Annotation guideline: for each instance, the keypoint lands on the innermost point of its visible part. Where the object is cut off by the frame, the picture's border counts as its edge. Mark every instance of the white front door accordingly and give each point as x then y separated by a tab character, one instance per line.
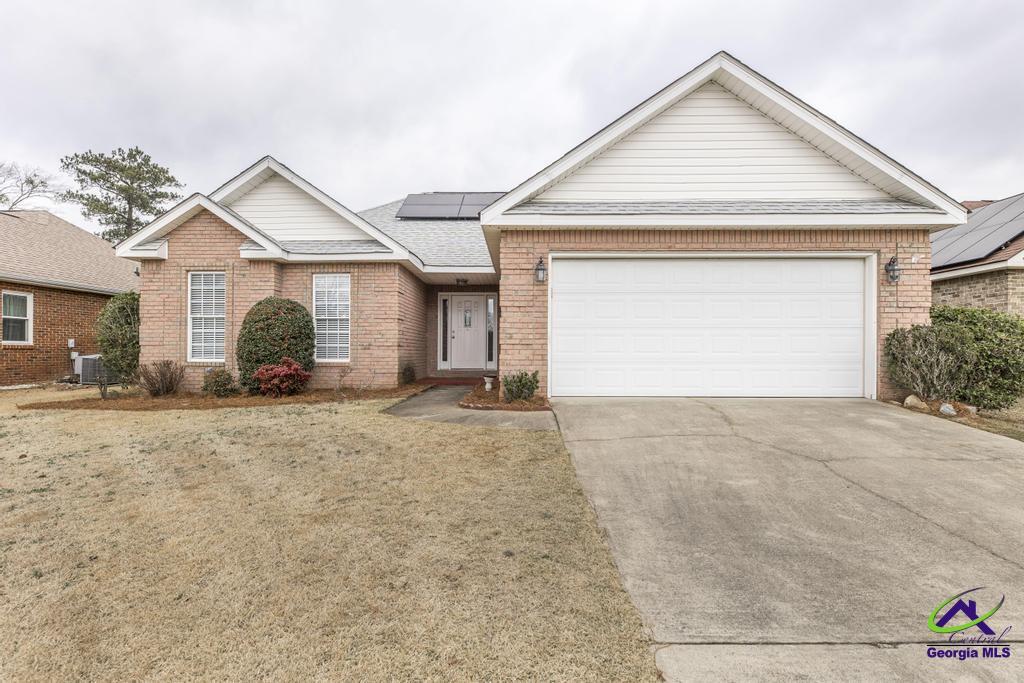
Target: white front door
469	331
709	327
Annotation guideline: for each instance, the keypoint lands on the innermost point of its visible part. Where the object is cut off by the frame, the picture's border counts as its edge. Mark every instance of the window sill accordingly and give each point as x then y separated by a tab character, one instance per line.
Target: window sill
331	362
18	345
204	361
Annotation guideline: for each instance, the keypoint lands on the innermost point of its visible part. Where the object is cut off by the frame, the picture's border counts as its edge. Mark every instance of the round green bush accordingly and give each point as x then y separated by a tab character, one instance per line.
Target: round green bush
219	382
117	334
274	328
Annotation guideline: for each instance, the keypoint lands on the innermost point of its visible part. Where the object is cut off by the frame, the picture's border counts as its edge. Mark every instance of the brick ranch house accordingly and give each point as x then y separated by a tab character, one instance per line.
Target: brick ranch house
54	278
981	263
722	238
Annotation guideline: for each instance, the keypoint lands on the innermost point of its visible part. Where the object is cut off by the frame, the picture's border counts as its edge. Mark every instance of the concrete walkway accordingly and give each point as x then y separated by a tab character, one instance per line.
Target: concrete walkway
440	404
803	539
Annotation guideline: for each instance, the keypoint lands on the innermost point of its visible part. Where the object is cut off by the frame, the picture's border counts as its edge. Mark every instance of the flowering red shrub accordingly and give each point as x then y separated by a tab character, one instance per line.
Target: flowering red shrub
281	379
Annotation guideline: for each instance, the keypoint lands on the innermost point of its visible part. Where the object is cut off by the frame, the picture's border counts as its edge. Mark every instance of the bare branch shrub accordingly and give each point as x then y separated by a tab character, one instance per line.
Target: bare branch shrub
161	378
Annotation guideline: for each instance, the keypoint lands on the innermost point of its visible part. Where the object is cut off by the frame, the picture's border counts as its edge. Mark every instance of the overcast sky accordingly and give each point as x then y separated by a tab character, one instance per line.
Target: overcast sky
371	101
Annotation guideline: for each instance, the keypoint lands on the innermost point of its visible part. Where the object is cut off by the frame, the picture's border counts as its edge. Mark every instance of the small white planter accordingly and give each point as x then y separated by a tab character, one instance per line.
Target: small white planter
488	383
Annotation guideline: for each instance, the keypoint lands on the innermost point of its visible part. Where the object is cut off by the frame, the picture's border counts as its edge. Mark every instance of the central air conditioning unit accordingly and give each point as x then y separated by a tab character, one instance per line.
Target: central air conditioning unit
90	368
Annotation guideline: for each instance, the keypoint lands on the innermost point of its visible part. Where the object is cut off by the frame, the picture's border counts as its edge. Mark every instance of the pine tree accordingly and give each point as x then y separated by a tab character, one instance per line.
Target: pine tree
122	190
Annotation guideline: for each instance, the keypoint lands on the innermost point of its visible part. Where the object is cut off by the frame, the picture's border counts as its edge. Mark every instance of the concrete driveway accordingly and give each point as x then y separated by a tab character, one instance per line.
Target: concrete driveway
802	538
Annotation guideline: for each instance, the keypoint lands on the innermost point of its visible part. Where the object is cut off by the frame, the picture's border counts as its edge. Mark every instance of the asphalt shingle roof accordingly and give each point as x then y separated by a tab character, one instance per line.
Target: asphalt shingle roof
437	242
40	248
712	206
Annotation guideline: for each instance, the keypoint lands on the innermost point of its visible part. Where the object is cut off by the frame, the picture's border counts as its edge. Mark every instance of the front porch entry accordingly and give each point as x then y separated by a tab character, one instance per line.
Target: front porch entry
467	331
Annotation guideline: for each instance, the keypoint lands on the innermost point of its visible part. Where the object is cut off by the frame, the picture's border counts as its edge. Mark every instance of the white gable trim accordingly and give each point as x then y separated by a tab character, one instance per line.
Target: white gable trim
932	221
727	66
225	191
184	210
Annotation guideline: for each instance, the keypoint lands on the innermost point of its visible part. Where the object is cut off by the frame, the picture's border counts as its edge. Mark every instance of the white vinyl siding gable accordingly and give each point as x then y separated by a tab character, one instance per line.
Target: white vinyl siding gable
711	145
207	297
16	313
332	312
285	212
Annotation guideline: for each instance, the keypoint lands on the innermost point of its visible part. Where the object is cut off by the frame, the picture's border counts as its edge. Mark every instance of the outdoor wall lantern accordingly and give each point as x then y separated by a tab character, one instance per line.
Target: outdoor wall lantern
893	270
461	281
540	271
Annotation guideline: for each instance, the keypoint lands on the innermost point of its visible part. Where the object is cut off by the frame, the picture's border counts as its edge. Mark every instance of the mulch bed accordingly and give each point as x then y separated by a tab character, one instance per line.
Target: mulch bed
480	399
134	400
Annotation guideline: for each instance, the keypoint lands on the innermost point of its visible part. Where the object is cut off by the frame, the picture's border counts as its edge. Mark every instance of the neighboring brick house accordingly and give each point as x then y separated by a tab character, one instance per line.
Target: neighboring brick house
722	238
981	263
55	278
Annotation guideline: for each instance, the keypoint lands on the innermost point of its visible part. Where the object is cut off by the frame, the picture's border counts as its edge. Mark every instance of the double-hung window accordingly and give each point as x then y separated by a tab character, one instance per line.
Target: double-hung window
332	309
17	318
206	305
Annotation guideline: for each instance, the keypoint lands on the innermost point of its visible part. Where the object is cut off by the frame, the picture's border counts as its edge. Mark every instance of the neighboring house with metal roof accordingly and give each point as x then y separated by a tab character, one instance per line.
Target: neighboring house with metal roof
722	238
981	263
54	277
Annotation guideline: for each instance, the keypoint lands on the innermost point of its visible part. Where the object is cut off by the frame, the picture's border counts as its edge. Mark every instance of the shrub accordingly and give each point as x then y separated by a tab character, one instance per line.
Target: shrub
160	378
274	329
520	386
408	374
927	360
220	383
117	334
993	351
282	379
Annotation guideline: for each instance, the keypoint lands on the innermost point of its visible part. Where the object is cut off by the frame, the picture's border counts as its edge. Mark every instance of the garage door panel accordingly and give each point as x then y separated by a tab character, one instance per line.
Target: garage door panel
707	327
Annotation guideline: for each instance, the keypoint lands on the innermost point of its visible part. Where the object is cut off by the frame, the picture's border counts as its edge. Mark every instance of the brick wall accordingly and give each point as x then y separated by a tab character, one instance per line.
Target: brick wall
58	315
523	334
376	341
412	322
207	243
998	290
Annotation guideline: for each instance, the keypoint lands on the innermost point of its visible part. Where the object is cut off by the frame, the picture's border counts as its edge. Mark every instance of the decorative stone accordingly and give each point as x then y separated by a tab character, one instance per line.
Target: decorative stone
971	410
947	409
914	403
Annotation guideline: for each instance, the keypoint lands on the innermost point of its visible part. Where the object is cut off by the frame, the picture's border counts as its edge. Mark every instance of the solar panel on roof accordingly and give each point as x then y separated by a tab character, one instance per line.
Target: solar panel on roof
986	230
464	205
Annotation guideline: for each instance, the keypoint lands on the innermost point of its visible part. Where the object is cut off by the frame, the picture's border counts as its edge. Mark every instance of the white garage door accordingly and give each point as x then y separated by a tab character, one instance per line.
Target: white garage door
707	327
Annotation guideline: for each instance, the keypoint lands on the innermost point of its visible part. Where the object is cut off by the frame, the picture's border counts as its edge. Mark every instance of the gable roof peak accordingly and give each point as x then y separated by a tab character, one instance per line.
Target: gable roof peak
769	99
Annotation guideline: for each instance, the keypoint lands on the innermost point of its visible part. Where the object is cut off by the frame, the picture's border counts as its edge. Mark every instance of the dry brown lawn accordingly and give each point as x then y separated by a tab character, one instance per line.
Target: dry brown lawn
301	541
1008	422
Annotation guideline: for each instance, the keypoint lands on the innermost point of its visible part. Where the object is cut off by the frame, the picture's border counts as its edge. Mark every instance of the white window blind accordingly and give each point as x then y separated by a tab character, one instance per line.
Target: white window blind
332	308
17	318
206	304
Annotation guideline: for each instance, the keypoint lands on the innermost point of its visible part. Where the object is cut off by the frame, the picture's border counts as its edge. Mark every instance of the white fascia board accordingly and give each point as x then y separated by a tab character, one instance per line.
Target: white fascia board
1015	262
291	176
179	214
459	269
930	221
719	63
294	257
419	266
225	190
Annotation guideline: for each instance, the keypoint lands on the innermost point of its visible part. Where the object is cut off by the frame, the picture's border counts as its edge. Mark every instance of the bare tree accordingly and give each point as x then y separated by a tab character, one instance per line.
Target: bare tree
19	183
